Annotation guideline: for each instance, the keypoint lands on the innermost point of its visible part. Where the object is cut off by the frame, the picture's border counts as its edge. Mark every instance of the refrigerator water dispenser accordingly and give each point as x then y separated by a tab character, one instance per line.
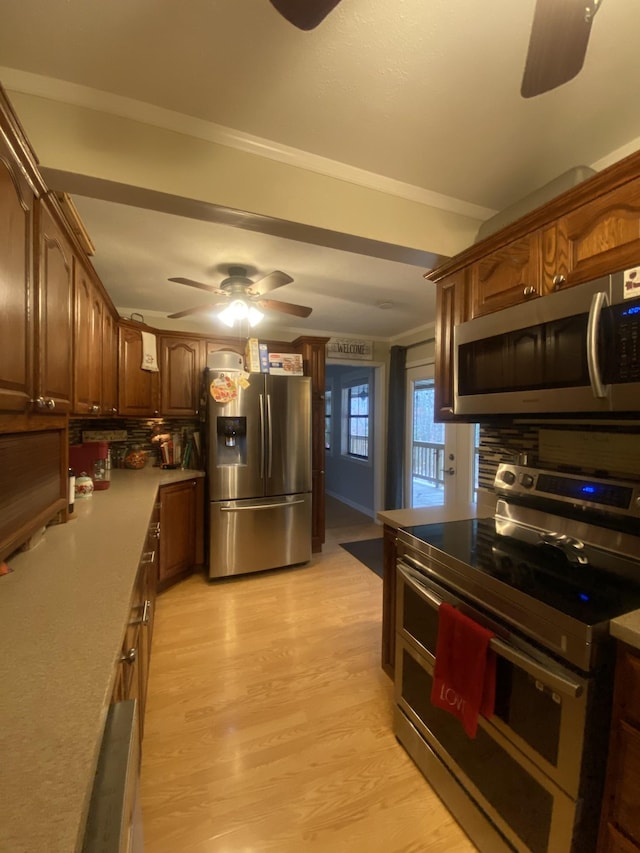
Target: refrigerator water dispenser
232	440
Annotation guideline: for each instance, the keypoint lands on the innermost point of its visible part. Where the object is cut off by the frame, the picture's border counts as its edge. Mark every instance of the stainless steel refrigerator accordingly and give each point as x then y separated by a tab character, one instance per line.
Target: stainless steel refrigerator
258	451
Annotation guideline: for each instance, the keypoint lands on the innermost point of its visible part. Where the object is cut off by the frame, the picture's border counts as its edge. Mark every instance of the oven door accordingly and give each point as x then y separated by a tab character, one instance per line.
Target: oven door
540	706
523	773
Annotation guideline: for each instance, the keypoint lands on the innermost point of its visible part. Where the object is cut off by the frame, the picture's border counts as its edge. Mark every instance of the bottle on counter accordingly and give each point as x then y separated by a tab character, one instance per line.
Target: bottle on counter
72	489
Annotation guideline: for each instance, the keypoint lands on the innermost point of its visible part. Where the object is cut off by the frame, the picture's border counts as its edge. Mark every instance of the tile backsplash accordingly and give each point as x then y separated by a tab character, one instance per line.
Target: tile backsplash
605	449
138	431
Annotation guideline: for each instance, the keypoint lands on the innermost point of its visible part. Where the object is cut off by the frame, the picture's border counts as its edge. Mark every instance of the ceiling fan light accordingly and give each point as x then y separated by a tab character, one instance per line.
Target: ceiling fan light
254	316
236	310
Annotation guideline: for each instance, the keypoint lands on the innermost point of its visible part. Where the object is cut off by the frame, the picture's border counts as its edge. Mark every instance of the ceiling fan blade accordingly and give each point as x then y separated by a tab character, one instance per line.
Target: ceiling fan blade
188	311
284	307
269	283
208	287
558	43
304	14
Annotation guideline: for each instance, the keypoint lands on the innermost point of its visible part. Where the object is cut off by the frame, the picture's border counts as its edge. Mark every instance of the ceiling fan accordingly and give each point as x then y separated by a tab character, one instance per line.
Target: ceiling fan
244	297
557	45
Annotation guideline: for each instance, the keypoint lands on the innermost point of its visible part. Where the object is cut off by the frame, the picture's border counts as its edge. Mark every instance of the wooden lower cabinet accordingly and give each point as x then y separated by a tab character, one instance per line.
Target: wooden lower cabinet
620	819
132	673
389	601
181	530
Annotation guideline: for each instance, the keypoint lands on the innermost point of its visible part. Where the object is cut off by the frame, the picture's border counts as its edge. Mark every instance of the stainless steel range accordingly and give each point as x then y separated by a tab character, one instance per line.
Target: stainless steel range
559	559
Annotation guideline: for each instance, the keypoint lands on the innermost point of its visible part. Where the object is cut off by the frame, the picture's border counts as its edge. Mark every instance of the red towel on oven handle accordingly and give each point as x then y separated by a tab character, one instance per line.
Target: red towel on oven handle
464	678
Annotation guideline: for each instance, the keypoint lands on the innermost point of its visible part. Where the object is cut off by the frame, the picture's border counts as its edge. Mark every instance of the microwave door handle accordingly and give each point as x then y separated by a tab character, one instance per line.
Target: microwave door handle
598	302
262	434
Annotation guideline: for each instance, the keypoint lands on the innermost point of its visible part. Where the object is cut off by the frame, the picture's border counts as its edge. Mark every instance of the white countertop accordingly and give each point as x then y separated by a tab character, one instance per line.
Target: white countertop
63	611
435	514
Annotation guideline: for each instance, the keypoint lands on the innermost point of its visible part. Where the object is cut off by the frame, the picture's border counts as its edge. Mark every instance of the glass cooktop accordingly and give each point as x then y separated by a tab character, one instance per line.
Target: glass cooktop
588	593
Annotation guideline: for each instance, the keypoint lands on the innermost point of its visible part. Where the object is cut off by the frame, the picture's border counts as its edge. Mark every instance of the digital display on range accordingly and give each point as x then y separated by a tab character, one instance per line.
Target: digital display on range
585	490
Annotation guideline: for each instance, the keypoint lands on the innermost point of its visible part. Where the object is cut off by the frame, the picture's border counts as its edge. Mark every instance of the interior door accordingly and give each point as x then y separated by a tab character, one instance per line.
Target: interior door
440	457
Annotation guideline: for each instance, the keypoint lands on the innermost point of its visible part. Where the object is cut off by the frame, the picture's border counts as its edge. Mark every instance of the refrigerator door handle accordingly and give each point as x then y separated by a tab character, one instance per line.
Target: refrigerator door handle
262	434
269	437
254	507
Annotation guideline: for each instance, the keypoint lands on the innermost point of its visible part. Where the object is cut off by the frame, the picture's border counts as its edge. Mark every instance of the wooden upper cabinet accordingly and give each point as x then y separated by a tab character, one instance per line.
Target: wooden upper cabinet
507	276
88	329
181	365
138	389
602	236
109	362
17	199
452	307
54	289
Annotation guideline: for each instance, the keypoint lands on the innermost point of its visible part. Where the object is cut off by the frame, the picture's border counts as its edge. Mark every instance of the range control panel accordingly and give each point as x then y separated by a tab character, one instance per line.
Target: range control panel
613	496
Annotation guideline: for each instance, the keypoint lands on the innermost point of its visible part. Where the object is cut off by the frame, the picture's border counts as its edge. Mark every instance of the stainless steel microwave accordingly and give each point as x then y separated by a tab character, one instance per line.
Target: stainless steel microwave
577	350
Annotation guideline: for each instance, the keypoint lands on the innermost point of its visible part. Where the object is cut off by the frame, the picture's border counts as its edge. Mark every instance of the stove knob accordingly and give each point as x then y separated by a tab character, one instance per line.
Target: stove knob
527	481
508	477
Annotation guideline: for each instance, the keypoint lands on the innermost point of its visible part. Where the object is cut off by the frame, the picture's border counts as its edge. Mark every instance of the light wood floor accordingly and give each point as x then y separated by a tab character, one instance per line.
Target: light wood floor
269	720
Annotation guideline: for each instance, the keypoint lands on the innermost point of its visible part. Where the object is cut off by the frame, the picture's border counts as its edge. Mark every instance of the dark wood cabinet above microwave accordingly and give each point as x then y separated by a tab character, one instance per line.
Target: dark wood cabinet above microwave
587	232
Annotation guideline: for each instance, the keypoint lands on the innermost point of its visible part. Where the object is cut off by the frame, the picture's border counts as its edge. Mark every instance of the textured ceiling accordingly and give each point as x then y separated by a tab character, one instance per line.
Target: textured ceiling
426	92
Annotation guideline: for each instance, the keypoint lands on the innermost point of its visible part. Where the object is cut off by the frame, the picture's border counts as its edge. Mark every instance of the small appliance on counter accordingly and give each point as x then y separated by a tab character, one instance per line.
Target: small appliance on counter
92	457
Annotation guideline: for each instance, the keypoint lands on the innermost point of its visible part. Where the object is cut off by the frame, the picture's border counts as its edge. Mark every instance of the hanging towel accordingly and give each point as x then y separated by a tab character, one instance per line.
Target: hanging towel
464	678
149	356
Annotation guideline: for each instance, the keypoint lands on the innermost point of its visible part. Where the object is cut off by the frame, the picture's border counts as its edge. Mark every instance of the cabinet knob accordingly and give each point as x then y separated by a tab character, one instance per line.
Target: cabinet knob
529	291
558	281
129	657
95	409
156	413
38	403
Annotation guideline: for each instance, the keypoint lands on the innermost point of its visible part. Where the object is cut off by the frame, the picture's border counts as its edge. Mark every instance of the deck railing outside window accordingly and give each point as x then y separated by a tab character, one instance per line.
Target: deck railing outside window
428	462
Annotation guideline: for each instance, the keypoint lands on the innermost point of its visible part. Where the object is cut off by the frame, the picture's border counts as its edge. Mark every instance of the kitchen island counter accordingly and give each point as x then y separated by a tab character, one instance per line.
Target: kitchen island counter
63	610
627	628
397	518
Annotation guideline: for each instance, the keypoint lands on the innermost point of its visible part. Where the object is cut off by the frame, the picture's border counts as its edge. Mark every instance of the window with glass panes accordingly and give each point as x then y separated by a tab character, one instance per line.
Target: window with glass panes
358	421
327	419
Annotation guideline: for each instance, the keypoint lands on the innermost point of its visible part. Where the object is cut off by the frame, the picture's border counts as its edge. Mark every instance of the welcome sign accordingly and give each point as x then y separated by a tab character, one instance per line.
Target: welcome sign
350	348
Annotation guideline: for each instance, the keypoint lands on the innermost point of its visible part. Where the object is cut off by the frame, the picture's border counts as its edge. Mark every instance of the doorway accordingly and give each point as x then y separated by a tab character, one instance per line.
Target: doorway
440	462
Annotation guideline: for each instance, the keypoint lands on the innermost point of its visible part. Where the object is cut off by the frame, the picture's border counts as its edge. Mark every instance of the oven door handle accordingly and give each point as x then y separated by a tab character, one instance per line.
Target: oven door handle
554	680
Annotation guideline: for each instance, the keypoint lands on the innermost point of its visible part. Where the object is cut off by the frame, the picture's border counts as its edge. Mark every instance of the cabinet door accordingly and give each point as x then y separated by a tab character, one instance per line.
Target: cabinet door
54	348
614	842
313	351
620	818
508	276
138	389
181	365
109	362
603	236
89	310
179	534
452	307
625	808
16	241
